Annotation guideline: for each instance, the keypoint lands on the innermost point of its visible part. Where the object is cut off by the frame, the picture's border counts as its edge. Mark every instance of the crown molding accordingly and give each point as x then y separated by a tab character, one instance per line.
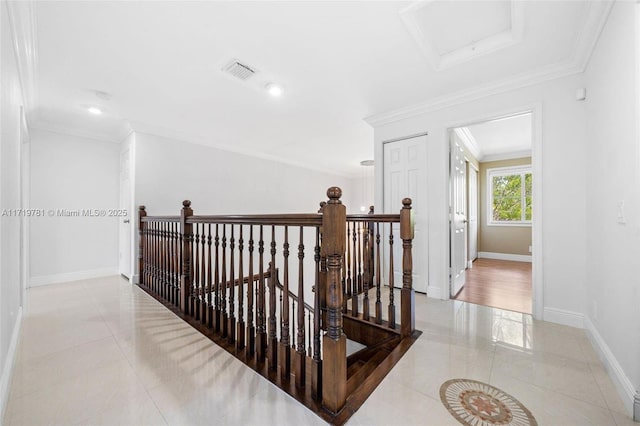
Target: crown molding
506	156
69	131
594	23
158	131
22	25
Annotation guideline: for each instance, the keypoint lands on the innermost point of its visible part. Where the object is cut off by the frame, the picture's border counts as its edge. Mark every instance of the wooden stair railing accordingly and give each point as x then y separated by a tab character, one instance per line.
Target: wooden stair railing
221	275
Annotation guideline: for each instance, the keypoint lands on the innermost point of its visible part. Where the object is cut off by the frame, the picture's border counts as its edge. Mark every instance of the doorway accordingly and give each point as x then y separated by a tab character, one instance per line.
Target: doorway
491	212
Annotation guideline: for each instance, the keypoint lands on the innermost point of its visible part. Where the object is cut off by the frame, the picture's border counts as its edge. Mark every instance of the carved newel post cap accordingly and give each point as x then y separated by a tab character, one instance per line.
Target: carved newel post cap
322	204
371	210
334	193
141	207
186	203
406	203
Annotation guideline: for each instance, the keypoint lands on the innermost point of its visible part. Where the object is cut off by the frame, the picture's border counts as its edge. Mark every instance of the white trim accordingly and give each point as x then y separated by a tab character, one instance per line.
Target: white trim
22	23
564	317
68	131
469	142
7	368
478	48
597	16
506	156
135	279
521	170
504	256
72	276
626	390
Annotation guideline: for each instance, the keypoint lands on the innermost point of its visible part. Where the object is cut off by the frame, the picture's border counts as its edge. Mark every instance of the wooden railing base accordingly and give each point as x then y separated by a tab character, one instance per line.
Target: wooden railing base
313	369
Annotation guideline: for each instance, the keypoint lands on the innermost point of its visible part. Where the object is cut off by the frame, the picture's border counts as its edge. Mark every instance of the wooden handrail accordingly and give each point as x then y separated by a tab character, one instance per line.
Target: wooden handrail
382	218
267	219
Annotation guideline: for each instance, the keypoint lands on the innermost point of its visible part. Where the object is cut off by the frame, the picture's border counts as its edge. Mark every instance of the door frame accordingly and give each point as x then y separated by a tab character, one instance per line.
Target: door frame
537	266
470	167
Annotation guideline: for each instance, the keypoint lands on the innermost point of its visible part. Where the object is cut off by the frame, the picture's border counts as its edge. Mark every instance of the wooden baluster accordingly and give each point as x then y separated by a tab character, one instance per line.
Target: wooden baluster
223	285
165	262
142	245
316	361
392	308
407	295
156	259
178	244
367	266
378	273
293	323
261	332
359	258
209	319
241	322
300	364
272	345
251	342
232	290
354	281
334	342
168	261
195	301
203	277
152	256
176	264
185	279
217	314
285	348
309	335
348	262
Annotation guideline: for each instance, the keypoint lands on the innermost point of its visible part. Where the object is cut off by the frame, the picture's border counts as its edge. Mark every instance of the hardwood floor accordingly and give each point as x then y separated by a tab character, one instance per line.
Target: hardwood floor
498	283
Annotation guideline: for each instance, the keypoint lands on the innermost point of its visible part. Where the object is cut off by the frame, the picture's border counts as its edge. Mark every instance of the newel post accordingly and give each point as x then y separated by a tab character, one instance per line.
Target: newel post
141	244
186	234
407	295
334	342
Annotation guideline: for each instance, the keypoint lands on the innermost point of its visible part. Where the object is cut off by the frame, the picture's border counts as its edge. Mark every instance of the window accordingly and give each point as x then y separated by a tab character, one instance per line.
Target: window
509	194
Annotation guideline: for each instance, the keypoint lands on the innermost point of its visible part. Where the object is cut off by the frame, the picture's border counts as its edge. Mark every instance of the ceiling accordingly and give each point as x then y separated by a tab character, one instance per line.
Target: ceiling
338	62
500	138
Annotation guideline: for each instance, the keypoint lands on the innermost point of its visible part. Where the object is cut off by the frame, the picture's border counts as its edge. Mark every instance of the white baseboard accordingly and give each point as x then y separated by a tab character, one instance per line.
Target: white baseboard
630	397
135	279
72	276
7	369
563	317
504	256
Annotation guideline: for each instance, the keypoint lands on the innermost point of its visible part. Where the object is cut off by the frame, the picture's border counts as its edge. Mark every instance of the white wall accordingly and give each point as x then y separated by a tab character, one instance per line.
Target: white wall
562	159
223	182
10	198
70	172
613	165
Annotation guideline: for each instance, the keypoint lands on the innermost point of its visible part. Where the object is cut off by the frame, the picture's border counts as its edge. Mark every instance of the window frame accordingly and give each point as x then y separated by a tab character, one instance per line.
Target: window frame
521	170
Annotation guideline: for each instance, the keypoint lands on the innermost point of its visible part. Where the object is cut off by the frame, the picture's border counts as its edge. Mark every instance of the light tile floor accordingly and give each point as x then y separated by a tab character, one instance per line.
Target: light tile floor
103	352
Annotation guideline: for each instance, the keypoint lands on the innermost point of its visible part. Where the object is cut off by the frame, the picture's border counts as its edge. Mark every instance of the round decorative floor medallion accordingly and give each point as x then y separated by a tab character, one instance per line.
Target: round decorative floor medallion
479	404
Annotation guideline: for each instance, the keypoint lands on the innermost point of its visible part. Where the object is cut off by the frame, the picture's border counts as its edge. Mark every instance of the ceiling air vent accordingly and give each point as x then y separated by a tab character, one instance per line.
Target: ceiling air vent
239	70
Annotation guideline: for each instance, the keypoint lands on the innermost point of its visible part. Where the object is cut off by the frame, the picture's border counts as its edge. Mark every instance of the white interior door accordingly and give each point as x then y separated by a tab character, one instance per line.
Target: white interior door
125	221
473	213
405	165
458	217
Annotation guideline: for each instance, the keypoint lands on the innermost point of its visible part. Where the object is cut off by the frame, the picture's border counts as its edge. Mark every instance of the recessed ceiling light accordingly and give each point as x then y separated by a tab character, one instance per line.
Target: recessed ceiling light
94	110
274	89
